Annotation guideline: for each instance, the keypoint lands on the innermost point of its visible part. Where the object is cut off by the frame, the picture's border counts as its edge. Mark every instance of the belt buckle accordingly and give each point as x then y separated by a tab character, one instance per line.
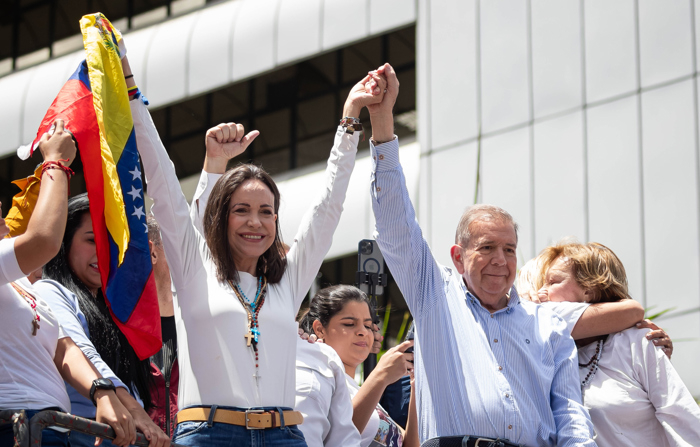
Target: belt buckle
478	441
247	412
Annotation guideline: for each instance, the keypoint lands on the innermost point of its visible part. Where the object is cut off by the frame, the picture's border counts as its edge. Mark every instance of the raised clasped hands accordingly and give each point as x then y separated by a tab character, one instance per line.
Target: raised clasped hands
223	142
369	91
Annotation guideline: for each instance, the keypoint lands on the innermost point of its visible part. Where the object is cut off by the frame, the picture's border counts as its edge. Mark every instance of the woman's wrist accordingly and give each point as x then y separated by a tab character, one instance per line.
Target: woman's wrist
351	109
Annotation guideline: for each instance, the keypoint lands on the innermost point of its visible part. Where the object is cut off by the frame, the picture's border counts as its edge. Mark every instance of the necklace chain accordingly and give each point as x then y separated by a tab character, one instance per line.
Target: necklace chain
32	303
592	365
252	309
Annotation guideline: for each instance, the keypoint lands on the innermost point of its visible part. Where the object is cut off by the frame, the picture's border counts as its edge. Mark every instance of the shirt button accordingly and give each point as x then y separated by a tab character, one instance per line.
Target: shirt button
495	340
378	188
381	156
500	368
510	427
491	315
507	395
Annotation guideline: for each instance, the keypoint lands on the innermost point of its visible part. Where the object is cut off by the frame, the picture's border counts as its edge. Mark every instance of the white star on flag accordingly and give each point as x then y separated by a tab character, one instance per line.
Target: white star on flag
136	173
138	212
134	193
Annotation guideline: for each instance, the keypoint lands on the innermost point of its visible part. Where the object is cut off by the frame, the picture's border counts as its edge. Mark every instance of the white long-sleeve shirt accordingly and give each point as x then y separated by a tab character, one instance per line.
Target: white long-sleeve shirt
216	366
323	397
636	397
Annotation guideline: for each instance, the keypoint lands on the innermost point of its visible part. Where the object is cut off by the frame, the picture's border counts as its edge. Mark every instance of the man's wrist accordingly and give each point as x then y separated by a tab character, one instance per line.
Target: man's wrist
382	127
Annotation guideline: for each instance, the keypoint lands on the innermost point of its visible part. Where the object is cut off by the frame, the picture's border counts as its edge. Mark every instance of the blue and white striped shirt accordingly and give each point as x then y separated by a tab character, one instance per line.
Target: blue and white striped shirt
511	374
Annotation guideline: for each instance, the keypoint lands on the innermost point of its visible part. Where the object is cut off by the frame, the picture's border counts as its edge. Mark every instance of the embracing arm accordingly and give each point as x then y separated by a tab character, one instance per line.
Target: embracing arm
607	318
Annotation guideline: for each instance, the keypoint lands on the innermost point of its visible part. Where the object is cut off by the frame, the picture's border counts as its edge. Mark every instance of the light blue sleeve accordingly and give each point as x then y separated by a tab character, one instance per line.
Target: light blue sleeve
574	426
399	236
65	307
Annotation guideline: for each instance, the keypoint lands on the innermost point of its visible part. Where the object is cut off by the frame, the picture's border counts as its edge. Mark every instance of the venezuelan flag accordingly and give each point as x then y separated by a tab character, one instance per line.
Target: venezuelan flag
94	105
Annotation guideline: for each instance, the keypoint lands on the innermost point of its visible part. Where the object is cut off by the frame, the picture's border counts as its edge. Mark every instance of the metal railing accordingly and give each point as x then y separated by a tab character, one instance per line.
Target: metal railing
28	432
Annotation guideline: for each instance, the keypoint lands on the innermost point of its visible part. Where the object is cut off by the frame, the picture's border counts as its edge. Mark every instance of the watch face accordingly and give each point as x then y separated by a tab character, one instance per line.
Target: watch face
103	383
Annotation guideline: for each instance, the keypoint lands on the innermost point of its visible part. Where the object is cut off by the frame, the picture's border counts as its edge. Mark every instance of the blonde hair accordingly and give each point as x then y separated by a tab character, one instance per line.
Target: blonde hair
594	266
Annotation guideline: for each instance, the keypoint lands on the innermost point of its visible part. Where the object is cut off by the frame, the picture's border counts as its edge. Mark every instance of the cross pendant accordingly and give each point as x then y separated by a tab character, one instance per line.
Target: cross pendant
249	337
35	327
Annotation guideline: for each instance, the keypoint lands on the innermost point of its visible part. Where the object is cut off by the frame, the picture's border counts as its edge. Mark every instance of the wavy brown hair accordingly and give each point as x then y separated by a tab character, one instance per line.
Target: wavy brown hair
272	263
594	266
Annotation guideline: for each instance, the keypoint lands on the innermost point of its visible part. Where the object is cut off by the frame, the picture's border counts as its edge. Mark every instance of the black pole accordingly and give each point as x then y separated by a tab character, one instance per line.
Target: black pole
371	362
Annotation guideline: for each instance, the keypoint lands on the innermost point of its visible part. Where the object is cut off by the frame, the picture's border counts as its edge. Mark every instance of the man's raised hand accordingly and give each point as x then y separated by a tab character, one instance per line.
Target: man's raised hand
223	142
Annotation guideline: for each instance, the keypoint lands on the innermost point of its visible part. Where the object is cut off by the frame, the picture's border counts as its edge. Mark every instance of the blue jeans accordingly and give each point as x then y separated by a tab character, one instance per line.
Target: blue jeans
200	434
49	438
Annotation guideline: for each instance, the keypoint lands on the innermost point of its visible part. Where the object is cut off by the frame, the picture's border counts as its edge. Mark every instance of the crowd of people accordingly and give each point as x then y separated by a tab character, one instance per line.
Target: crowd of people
491	365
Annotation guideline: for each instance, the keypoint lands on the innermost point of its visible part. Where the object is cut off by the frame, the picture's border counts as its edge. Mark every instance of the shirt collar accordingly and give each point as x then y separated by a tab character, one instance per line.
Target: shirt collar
513	300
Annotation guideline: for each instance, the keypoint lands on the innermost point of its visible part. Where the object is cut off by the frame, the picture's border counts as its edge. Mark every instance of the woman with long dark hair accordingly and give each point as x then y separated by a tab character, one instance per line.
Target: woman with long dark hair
237	293
36	355
72	287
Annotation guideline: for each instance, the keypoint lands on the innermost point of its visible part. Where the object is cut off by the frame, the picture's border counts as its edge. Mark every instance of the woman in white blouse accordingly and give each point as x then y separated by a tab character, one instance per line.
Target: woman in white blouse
36	356
237	294
340	316
633	393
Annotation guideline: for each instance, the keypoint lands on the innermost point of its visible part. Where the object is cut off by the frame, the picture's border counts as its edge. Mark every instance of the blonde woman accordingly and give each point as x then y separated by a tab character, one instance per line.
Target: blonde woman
631	389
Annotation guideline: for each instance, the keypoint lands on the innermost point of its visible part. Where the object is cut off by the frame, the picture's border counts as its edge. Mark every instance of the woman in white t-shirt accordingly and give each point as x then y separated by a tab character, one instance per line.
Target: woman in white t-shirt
36	356
237	293
633	393
340	315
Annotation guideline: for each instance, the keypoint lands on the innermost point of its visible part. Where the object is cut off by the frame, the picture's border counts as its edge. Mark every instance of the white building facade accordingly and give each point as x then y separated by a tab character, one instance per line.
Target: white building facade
578	117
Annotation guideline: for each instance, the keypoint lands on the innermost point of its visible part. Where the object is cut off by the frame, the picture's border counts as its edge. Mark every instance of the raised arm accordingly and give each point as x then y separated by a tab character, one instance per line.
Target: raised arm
399	236
44	234
315	234
180	240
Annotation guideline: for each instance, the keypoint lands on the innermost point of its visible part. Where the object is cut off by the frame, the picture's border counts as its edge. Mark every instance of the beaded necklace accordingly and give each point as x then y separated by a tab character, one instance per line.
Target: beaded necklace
252	310
32	303
592	365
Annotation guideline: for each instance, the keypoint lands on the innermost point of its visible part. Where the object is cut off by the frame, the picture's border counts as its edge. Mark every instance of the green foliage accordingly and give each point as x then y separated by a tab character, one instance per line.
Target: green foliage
657	314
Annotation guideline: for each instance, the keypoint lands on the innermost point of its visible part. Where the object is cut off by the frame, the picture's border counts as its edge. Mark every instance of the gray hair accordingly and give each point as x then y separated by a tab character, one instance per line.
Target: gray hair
483	213
153	230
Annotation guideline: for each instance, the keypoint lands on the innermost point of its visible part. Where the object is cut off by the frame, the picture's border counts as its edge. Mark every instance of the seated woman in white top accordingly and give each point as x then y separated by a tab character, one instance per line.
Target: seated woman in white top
633	393
36	356
342	319
322	394
237	294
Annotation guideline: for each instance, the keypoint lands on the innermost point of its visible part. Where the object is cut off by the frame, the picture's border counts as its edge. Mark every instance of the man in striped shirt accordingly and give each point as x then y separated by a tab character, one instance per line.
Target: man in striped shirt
487	363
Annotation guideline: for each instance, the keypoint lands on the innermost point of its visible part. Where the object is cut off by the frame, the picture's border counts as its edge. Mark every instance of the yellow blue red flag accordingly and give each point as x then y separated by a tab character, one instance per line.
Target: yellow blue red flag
94	105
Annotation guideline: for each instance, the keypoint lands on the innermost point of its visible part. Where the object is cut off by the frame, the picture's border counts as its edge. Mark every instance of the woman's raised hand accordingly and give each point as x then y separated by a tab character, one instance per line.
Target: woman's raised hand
58	144
223	142
395	363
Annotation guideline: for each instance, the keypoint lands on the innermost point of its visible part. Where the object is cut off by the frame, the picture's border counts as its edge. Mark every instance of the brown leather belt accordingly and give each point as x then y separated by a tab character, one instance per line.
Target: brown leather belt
250	419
